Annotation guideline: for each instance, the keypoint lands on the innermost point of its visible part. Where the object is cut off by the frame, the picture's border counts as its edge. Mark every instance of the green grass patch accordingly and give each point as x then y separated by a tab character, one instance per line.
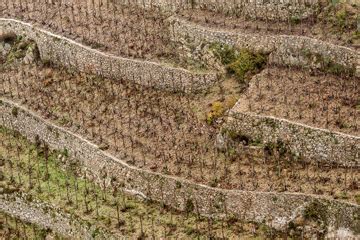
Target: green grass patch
52	177
14	228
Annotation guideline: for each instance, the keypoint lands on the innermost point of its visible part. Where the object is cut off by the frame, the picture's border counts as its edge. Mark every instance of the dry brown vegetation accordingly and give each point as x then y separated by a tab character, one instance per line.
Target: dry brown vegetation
173	133
168	133
42	175
54	178
130	31
334	23
121	30
313	98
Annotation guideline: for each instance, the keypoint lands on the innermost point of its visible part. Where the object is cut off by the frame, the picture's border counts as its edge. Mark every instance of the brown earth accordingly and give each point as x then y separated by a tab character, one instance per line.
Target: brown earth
315	99
136	33
167	132
337	25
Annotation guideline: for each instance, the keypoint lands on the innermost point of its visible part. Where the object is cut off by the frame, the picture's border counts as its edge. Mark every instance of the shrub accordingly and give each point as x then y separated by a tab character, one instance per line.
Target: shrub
189	206
317	212
238	63
65	152
340	18
246	63
334	2
329	66
295	20
224	53
357	106
15	111
219	108
338	69
357	198
237	136
19	49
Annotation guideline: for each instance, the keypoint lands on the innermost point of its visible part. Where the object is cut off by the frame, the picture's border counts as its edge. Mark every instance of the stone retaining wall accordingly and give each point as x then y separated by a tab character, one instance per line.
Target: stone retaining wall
260	9
68	53
274	209
255	9
314	144
45	216
283	49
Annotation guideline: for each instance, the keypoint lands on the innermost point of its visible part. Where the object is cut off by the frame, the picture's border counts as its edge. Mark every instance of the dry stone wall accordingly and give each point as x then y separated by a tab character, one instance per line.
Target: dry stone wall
314	144
283	49
68	53
275	209
45	216
261	9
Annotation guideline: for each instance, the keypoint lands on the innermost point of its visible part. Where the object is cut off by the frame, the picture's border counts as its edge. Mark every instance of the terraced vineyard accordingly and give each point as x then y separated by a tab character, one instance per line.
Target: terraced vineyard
169	120
35	173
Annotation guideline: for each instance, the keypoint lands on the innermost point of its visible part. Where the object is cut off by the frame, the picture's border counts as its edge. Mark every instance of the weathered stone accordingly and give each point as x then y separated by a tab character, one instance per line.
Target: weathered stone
29	57
275	209
313	144
69	53
256	9
46	216
4	48
282	49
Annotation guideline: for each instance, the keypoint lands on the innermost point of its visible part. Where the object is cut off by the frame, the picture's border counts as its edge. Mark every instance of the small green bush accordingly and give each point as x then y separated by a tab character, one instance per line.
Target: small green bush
189	206
218	109
357	198
239	63
15	111
317	212
224	53
295	20
245	63
340	18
